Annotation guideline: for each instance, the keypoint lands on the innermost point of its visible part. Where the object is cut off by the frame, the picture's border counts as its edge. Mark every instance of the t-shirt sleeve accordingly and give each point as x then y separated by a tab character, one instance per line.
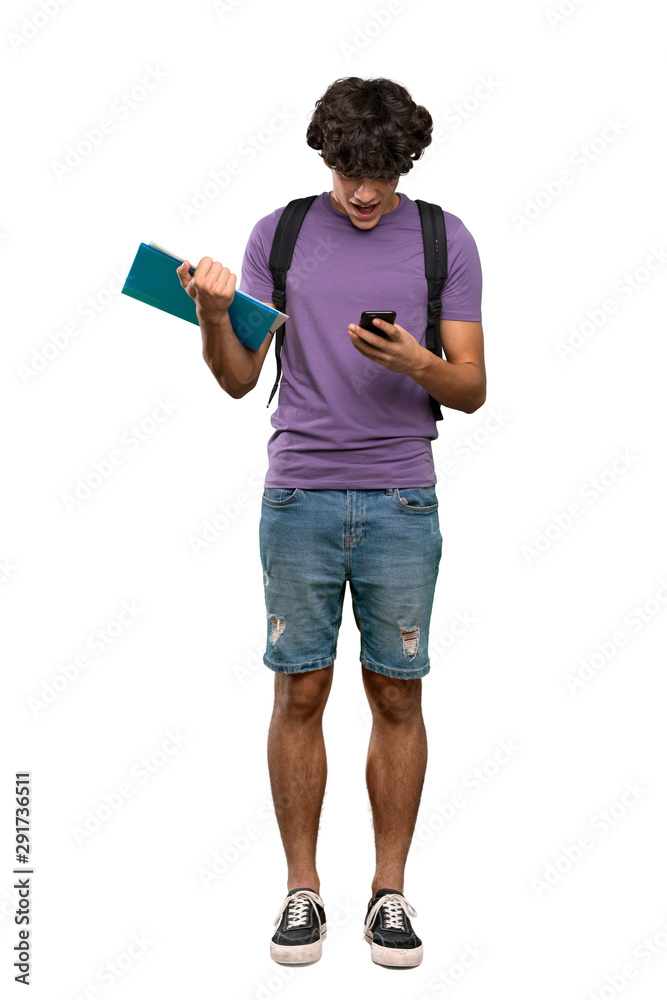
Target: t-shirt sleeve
461	296
256	277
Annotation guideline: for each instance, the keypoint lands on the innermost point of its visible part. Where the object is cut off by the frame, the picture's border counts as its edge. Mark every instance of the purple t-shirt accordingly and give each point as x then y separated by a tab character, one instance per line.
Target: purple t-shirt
344	421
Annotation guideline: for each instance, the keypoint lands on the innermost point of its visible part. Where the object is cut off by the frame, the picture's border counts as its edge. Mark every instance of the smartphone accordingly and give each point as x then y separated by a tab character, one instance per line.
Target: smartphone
367	317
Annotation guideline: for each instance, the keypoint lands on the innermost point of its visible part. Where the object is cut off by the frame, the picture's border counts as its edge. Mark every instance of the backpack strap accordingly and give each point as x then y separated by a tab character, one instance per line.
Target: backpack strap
435	266
280	259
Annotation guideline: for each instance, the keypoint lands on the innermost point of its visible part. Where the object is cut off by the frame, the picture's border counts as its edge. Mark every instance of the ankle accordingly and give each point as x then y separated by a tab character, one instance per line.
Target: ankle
386	882
304	881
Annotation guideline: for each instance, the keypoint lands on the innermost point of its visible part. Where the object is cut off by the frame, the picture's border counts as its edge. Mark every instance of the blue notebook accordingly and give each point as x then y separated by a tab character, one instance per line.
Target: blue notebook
153	280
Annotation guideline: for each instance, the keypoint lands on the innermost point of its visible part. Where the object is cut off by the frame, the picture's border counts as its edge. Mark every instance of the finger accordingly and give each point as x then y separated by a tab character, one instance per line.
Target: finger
202	268
230	283
183	272
383	325
361	342
357	342
369	338
221	276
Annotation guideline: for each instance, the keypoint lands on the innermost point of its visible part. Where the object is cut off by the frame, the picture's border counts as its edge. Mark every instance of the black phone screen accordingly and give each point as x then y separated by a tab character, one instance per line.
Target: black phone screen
367	317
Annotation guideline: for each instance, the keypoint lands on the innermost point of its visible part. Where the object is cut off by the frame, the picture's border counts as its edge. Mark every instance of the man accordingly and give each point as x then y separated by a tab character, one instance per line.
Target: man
350	490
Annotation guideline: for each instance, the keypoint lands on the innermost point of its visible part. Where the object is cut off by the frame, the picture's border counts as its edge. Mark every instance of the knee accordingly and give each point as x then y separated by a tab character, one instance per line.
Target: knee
393	699
302	696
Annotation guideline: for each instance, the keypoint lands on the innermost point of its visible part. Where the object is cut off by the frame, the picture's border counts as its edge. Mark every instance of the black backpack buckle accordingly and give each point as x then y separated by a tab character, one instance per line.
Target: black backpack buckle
434	308
278	299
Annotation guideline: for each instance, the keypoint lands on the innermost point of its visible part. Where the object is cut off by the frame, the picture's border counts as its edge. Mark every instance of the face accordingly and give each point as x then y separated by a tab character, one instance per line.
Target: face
349	196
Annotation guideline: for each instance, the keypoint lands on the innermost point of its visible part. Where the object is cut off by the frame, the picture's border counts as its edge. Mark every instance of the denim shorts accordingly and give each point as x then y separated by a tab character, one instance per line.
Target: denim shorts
385	542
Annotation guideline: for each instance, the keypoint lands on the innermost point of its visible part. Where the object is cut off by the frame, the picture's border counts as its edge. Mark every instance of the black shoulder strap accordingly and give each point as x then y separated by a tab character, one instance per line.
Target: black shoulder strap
435	265
280	259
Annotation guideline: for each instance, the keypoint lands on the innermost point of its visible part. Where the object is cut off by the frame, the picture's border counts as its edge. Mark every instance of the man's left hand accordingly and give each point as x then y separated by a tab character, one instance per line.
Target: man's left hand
399	353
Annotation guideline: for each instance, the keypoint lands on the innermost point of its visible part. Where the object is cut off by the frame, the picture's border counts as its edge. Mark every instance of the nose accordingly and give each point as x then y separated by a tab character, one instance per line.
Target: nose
365	193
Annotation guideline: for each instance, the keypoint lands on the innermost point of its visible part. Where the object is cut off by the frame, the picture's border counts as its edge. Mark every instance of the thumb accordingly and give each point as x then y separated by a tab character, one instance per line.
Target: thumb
185	278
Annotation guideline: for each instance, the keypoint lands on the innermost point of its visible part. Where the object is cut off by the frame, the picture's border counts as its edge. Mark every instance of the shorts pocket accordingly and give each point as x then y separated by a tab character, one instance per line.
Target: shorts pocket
276	496
416	499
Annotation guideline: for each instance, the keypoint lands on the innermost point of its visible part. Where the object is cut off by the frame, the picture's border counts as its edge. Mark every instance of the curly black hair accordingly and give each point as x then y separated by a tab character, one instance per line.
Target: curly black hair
369	128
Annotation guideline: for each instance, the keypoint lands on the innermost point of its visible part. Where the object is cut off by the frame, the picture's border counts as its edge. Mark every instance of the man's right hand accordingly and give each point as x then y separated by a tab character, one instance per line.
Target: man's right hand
212	287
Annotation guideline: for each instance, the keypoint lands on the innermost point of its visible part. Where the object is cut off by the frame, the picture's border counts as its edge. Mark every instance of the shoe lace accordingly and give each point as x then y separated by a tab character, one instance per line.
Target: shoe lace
394	908
299	905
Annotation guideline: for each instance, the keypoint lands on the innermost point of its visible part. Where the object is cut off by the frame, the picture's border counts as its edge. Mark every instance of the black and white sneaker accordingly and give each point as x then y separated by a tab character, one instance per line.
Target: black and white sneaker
302	927
388	930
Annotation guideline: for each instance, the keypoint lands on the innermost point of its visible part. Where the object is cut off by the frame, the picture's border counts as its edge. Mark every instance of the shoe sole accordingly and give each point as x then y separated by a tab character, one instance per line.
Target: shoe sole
298	954
403	958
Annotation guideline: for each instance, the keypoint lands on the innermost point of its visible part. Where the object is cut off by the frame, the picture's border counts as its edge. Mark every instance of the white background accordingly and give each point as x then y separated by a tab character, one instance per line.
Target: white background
491	875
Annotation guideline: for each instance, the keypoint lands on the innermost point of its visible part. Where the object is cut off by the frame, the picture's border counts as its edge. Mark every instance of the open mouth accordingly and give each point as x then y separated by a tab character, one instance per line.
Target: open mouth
366	211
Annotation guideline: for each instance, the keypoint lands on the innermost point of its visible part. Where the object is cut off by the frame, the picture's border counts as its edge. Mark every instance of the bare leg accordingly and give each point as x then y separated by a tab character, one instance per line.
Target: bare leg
395	770
298	768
